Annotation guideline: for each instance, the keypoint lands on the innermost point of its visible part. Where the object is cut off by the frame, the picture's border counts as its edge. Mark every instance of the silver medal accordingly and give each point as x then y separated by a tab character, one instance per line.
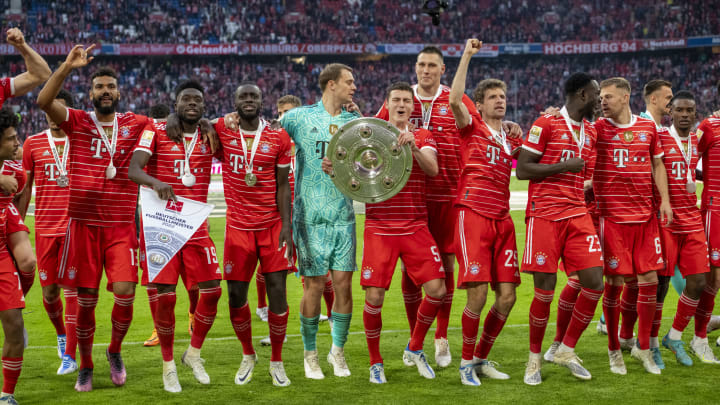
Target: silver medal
690	187
188	179
110	171
62	181
250	179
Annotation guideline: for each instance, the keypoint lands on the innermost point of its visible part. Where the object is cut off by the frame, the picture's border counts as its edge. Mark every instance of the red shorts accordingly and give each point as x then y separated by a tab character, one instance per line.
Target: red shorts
196	262
573	240
243	249
486	248
417	251
48	250
11	295
687	250
13	221
441	221
712	231
631	249
89	248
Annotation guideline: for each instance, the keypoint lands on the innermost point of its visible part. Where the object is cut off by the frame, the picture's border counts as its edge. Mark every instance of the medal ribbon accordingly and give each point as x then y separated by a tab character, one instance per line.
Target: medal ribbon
189	149
60	163
580	142
256	141
110	145
687	156
427	113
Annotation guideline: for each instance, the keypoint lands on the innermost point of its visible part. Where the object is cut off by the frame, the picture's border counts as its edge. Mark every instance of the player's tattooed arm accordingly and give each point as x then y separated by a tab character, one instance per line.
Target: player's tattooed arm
37	68
77	58
136	173
660	177
460	111
285	207
529	168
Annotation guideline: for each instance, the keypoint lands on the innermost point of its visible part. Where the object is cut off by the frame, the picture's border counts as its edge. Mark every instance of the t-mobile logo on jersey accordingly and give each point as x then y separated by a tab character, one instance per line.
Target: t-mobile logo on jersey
678	170
236	162
320	147
492	153
179	167
620	157
51	171
567	154
97	146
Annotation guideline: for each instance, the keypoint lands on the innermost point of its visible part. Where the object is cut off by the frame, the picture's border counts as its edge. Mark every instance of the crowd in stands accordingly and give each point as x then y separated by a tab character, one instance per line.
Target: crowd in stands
533	83
355	21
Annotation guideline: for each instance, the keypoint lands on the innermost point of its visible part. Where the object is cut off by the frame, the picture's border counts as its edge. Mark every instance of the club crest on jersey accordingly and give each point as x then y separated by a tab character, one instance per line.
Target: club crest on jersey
642	136
367	273
695	150
534	134
587	141
715	255
474	269
265	147
613	262
333	129
540	258
628	136
228	267
443	110
43	275
72	272
203	148
124	132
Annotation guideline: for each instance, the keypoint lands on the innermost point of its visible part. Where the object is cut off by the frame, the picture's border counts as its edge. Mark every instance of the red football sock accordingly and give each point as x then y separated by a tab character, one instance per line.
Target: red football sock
240	319
686	308
26	280
86	327
278	329
443	315
657	319
647	298
261	290
372	320
165	323
54	310
611	309
121	317
470	323
193	297
494	322
704	311
582	315
11	368
412	296
628	309
205	314
329	296
539	313
152	294
429	308
71	310
566	304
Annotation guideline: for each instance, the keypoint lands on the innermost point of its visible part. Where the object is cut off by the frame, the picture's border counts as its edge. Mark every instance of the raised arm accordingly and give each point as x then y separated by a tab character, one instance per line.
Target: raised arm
460	111
46	99
37	68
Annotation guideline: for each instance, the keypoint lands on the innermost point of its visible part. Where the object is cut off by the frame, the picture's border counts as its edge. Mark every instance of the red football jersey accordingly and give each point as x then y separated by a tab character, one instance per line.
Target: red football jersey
405	212
443	187
252	207
51	200
686	214
708	134
486	166
93	198
167	164
559	196
7	89
623	181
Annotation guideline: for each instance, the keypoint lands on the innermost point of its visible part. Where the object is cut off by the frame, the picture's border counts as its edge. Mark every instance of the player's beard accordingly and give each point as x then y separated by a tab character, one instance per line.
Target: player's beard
188	121
247	117
97	103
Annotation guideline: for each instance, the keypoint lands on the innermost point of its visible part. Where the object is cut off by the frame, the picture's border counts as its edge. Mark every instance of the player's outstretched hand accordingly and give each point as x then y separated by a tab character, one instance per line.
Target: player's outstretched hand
666	214
8	184
286	242
78	56
327	166
554	111
473	46
574	165
209	135
512	129
164	191
15	37
407	138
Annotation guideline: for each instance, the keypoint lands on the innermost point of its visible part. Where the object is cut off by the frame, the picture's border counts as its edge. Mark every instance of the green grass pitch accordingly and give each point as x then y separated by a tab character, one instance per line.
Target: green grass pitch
40	385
